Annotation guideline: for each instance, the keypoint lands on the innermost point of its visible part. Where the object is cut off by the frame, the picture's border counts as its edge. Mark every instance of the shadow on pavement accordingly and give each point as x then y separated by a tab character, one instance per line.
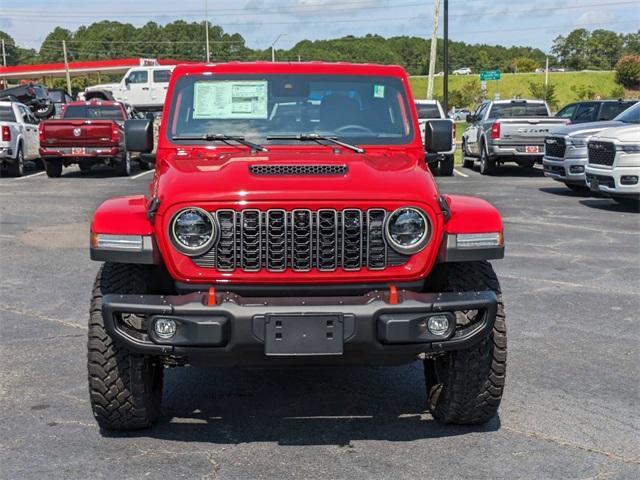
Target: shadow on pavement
298	407
517	171
565	192
610	205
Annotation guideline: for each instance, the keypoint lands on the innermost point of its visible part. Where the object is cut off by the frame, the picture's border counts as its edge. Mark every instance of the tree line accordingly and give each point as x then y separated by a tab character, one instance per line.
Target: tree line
580	49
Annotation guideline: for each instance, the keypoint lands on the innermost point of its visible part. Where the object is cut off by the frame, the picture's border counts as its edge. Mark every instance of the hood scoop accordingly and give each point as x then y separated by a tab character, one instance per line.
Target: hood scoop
298	170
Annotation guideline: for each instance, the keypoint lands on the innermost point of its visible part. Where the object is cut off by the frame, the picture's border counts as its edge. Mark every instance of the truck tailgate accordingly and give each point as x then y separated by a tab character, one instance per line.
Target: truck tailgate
528	130
74	133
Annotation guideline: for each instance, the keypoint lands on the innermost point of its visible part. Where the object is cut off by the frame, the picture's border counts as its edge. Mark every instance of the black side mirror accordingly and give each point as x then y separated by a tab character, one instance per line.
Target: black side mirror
470	118
438	136
127	81
138	136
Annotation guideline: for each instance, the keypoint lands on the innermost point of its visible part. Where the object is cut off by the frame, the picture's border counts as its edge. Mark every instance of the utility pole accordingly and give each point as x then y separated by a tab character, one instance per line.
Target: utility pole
206	26
4	55
434	45
66	66
445	79
546	75
273	46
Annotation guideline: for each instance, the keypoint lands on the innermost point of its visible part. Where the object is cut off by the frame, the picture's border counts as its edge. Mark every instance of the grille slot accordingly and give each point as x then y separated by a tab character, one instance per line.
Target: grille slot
555	147
602	153
301	239
277	170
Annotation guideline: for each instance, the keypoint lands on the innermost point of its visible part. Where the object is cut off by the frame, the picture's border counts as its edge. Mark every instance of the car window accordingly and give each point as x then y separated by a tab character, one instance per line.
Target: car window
427	111
568	111
610	110
99	112
26	113
138	76
630	115
6	114
161	76
586	112
518	109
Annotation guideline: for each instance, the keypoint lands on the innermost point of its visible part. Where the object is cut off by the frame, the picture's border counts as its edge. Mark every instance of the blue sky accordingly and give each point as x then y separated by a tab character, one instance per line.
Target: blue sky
512	22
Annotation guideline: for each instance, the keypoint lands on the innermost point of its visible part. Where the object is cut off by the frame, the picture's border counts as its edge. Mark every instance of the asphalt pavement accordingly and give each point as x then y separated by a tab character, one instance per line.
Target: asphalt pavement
571	283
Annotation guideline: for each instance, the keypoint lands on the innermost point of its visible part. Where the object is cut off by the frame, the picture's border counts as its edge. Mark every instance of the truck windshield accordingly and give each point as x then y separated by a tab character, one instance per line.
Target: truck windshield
630	115
518	109
98	112
355	109
6	114
427	111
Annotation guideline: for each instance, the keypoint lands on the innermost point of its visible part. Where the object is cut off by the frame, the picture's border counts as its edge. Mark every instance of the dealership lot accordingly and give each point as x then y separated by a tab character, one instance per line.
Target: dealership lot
570	281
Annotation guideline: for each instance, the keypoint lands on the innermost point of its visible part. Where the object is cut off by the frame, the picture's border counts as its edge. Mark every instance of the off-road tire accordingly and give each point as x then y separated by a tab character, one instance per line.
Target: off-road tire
446	166
487	164
16	167
53	168
125	389
467	162
465	386
44	112
123	165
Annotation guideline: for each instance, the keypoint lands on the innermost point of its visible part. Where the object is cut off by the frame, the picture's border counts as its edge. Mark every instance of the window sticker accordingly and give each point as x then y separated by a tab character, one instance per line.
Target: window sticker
232	99
378	91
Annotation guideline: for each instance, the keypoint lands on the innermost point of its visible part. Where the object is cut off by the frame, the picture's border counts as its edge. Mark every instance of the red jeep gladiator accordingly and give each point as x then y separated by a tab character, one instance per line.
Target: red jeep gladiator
293	221
87	133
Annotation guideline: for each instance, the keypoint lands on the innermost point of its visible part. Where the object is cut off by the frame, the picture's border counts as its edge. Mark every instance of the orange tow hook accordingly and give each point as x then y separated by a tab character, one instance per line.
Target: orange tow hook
394	298
211	297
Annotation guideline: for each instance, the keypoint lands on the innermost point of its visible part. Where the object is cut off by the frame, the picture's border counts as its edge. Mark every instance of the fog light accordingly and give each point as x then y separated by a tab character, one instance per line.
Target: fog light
576	169
628	179
438	324
164	327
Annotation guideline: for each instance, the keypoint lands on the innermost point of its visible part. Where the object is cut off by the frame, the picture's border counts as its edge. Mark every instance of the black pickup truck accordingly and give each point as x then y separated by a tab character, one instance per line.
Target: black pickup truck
34	96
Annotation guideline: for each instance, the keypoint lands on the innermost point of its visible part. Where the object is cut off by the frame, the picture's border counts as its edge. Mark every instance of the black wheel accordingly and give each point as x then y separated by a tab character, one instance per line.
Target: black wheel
446	166
526	163
465	386
45	112
123	165
467	162
16	167
84	167
53	168
578	188
125	389
487	164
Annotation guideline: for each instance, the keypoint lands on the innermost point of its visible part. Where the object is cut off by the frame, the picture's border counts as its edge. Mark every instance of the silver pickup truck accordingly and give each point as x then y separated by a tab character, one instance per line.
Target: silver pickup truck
507	131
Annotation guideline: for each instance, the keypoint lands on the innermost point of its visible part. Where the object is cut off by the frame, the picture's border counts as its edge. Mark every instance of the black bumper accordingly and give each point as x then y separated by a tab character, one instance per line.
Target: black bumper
366	329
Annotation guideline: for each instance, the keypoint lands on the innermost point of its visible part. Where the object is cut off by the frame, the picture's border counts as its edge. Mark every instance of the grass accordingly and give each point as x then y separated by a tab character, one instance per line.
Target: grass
511	85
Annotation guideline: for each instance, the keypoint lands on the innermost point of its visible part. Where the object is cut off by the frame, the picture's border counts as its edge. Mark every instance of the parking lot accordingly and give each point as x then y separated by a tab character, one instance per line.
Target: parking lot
570	280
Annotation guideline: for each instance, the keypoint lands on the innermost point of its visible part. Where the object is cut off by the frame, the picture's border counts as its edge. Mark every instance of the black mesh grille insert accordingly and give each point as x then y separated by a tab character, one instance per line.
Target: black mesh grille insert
555	147
301	239
602	153
298	169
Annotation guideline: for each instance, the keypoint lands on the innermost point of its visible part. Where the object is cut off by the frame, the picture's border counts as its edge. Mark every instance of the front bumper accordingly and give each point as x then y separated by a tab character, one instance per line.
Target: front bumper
566	170
372	329
609	180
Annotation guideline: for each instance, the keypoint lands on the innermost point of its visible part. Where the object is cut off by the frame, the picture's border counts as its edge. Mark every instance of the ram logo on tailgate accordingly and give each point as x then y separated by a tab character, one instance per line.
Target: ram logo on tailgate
533	130
77	131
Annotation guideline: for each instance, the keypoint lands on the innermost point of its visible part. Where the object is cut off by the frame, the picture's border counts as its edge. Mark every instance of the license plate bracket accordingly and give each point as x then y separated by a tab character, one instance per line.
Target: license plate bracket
304	334
532	149
78	151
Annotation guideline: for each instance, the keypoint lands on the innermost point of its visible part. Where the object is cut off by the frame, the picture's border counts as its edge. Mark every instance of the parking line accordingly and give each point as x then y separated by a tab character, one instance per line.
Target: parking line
455	170
142	174
32	175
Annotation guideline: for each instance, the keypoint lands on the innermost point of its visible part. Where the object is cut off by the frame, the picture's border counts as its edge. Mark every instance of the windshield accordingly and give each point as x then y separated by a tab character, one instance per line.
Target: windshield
6	114
426	111
630	115
518	109
355	109
102	112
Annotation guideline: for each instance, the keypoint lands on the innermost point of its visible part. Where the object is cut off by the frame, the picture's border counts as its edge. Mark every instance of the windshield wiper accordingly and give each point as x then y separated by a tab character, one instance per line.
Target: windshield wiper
314	137
218	137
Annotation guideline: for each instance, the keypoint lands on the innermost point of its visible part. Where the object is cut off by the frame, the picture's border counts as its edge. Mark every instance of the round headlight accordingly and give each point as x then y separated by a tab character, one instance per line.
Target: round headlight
408	230
193	231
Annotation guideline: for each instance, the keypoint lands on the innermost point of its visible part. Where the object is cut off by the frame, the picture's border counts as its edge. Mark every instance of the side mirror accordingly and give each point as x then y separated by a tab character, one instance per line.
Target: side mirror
138	136
127	81
438	136
470	118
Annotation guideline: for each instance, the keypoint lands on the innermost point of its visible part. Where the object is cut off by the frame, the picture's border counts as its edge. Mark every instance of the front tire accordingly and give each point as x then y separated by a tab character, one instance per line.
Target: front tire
125	389
465	386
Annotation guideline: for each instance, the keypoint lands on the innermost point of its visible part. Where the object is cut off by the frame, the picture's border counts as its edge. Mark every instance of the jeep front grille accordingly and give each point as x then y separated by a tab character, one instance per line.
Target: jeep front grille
602	153
298	169
301	239
555	147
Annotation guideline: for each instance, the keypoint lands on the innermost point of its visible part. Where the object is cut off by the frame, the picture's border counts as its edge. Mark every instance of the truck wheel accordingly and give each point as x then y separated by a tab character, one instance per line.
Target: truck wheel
45	112
123	165
446	166
125	389
527	163
16	168
53	168
487	164
467	162
465	386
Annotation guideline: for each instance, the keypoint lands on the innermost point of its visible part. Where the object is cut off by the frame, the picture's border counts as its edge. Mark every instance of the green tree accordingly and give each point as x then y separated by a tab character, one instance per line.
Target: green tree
548	93
604	48
572	50
51	48
628	71
524	64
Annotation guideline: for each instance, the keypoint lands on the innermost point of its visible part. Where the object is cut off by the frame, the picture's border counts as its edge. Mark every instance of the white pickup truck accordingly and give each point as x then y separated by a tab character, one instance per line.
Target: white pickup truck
144	88
428	110
19	138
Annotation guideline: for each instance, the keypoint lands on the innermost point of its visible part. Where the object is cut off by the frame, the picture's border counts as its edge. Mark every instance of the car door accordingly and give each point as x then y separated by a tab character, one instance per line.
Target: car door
472	134
29	132
137	87
34	136
159	84
568	112
586	112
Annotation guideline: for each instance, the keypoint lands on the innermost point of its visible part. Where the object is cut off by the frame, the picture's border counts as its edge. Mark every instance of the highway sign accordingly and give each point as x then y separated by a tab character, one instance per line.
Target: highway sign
490	75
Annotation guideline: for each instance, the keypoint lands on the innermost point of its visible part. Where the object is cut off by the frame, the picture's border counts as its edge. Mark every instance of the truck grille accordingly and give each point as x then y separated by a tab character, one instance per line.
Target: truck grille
602	153
555	147
301	239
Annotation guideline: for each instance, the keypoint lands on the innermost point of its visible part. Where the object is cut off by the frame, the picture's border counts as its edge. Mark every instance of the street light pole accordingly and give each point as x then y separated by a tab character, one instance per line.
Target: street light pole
445	79
206	26
273	51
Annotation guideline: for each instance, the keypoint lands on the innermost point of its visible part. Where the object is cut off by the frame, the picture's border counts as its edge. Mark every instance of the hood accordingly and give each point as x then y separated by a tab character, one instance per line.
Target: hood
627	134
103	86
585	129
204	174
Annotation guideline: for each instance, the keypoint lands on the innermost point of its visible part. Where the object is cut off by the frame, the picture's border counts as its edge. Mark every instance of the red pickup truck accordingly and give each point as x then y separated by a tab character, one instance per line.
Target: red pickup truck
88	133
